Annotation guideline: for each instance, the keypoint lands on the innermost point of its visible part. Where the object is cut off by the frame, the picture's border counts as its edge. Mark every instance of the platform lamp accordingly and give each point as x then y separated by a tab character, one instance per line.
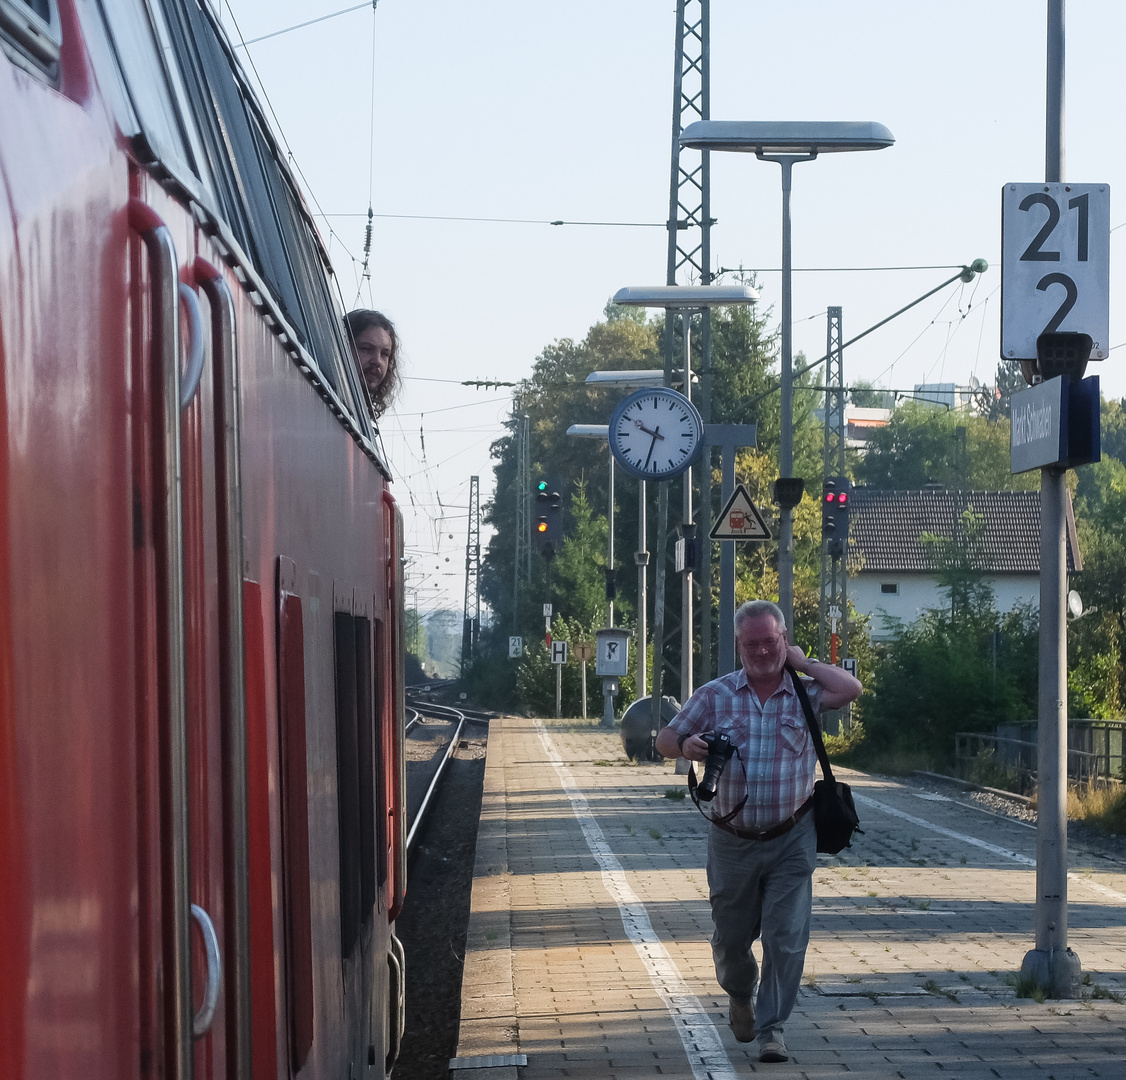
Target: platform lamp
688	300
788	143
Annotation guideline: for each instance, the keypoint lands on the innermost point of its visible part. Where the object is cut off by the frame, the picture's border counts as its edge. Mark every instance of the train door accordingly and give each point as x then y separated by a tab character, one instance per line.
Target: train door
189	617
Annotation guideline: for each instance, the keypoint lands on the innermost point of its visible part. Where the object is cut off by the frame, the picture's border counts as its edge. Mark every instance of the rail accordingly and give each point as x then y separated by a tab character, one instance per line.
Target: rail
441	712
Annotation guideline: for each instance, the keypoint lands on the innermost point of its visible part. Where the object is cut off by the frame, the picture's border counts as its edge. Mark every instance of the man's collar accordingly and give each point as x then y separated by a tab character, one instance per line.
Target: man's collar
786	685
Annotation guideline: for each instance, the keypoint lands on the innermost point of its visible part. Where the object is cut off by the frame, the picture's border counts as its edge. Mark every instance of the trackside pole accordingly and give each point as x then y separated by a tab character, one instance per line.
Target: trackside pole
1052	964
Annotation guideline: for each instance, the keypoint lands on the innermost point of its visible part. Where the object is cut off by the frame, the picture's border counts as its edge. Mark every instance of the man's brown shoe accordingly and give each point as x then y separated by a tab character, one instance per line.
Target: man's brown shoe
741	1018
773	1050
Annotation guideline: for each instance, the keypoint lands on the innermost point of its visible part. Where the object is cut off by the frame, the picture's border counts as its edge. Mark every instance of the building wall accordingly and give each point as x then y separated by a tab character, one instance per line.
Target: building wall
918	592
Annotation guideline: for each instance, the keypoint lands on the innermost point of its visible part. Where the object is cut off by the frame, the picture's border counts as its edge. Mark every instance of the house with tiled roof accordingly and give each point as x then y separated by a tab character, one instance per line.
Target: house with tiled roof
893	574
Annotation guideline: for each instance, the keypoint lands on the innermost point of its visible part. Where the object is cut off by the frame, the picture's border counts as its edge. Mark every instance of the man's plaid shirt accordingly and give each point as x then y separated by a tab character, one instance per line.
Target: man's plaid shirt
777	763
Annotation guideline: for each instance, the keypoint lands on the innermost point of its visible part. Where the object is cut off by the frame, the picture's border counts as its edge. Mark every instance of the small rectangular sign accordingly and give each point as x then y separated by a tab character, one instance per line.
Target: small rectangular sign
559	652
1038	433
849	664
515	648
547	611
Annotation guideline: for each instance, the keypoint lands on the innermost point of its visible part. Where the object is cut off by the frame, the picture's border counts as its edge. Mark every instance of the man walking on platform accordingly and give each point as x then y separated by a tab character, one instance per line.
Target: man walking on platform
762	848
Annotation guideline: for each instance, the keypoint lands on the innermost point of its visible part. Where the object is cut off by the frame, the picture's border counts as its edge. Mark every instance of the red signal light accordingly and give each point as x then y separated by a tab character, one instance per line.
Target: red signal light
829	497
842	498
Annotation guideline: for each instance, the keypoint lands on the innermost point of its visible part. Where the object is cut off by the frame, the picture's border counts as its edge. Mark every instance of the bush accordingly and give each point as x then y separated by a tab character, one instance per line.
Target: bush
951	672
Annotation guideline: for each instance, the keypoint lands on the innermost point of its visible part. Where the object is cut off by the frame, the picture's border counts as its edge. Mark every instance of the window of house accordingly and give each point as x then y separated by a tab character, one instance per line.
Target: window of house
891	587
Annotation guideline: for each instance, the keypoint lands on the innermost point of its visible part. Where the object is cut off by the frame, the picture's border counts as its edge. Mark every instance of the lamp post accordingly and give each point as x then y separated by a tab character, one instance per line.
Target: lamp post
787	143
688	300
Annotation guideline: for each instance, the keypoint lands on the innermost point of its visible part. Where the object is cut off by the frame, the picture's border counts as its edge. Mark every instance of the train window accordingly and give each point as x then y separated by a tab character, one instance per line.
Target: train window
365	711
253	194
295	820
162	137
30	35
355	783
348	781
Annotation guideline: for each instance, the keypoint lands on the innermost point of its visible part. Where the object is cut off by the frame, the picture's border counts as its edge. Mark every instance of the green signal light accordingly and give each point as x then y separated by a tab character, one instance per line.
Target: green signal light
541	486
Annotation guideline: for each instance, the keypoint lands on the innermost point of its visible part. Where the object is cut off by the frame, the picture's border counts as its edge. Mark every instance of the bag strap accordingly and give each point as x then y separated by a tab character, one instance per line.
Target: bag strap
814	726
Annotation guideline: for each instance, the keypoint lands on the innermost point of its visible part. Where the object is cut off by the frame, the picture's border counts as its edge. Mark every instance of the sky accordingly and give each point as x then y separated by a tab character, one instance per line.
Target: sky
469	127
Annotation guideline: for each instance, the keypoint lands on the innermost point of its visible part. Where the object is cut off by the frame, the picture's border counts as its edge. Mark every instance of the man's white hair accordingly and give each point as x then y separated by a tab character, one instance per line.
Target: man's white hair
755	609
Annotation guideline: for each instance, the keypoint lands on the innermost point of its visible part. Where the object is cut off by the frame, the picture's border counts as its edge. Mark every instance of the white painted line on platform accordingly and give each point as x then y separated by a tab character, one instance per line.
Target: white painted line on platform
702	1043
992	849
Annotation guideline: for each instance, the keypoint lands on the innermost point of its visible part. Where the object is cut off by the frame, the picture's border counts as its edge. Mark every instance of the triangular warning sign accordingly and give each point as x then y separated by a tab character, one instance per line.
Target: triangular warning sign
739	519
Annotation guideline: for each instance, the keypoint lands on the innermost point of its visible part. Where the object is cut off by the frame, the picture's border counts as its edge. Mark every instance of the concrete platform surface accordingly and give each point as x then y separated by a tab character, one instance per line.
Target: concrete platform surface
588	950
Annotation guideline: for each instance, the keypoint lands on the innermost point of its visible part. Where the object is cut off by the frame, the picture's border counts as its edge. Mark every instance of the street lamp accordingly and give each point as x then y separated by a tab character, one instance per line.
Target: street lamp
687	299
788	143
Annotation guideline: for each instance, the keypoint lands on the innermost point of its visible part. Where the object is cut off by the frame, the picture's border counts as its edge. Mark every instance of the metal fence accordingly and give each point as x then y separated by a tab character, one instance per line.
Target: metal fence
1008	756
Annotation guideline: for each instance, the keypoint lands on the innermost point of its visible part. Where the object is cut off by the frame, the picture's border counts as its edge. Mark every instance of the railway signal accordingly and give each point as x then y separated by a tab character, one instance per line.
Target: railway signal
547	525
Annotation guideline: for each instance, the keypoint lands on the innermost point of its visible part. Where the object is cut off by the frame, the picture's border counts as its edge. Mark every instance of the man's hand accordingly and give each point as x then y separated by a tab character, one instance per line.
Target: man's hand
694	748
838	687
795	657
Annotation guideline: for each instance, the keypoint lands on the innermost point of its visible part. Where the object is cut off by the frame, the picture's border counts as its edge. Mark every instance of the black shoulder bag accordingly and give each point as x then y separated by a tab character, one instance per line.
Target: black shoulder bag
834	815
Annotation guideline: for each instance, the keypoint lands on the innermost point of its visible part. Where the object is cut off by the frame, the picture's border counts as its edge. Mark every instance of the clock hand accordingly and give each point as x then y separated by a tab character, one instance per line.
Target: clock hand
656	434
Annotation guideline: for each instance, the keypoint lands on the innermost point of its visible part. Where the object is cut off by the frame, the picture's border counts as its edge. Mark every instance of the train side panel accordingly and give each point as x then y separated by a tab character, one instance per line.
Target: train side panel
123	843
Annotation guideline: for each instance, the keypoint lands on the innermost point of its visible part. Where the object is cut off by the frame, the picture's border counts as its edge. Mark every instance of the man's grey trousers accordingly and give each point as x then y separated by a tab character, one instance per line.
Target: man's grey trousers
762	889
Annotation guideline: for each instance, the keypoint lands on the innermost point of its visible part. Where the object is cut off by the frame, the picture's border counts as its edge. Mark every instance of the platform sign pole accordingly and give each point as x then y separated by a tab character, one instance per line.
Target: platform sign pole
1052	965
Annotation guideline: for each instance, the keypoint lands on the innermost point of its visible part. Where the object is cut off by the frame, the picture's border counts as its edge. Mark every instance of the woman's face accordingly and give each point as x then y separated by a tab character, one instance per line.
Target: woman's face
373	353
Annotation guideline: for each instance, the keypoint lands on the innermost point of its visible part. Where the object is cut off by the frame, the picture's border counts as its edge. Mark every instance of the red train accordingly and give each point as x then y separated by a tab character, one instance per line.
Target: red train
201	718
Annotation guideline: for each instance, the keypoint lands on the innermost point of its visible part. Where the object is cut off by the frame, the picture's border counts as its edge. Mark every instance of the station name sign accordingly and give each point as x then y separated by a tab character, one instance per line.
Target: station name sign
1055	424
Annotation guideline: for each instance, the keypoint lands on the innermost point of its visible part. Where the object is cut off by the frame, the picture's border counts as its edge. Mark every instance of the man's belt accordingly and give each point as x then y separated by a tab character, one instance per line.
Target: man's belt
774	831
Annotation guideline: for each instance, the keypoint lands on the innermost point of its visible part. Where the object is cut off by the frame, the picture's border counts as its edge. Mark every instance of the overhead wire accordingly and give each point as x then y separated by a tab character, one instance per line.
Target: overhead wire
309	22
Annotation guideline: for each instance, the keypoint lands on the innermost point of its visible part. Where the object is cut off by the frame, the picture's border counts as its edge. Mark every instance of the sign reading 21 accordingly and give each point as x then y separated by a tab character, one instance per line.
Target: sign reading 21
1055	265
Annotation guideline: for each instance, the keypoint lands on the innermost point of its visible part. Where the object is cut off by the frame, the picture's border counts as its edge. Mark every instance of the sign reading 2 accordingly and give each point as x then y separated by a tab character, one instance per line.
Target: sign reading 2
1068	227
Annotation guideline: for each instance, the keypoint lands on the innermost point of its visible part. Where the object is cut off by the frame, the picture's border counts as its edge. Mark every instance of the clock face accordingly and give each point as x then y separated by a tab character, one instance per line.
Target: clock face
655	434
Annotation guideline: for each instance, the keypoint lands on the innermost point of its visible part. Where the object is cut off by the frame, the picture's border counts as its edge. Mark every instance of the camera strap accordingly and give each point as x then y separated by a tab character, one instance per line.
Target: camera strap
693	783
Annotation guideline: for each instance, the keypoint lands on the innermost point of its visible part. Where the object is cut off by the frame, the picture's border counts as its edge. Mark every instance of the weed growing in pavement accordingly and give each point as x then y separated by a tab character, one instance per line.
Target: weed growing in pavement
655	833
914	843
491	935
1026	986
872	892
1101	993
963	860
674	793
931	987
924	905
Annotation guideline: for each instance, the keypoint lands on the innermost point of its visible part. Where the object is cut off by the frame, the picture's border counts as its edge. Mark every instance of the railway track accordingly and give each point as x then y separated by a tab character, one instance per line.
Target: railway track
434	733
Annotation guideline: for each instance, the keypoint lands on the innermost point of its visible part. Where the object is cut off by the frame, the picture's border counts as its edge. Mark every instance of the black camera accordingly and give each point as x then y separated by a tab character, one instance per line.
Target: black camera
720	749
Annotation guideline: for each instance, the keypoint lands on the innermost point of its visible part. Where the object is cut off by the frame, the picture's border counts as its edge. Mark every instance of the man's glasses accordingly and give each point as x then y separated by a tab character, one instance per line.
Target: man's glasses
765	643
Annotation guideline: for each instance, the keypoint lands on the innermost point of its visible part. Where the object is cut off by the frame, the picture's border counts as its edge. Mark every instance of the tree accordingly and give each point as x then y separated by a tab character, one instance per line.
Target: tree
924	444
865	396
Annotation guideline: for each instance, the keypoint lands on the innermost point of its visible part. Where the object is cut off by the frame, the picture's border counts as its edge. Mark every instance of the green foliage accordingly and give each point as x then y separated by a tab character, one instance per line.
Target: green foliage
936	678
924	444
535	676
865	396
